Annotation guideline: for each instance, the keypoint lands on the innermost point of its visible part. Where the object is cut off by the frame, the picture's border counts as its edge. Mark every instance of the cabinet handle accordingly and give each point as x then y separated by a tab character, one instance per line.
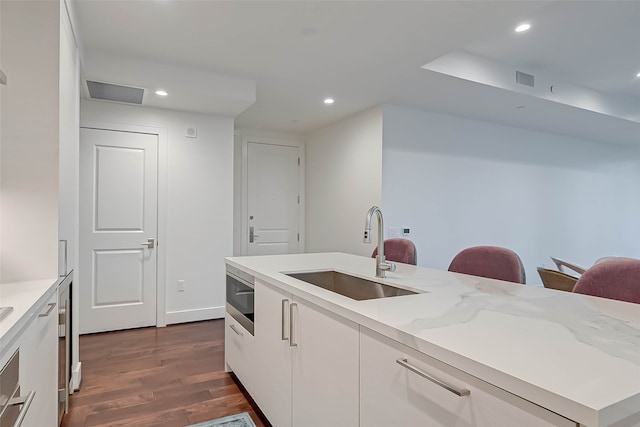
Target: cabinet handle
285	302
25	402
233	328
292	343
52	305
452	389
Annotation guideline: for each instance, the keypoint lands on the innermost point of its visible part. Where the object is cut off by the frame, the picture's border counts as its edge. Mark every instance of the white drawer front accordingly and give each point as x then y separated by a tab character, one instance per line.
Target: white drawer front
403	394
238	348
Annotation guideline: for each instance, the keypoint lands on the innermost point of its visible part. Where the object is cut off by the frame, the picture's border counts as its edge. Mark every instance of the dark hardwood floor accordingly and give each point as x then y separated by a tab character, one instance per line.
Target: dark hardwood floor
171	376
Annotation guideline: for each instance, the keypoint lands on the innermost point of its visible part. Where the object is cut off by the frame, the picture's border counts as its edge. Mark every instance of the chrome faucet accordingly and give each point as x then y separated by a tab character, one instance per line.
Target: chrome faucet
381	264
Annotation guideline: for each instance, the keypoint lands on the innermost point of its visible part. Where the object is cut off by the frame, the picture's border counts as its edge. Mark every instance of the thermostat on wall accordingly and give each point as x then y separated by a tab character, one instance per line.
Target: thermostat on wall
192	133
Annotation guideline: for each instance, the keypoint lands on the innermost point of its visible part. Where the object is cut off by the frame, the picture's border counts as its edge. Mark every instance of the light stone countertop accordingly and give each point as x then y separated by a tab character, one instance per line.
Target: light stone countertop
576	355
25	298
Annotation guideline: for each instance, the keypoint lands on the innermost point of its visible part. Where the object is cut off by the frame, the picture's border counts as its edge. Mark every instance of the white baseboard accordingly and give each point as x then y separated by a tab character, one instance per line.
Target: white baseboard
195	315
76	378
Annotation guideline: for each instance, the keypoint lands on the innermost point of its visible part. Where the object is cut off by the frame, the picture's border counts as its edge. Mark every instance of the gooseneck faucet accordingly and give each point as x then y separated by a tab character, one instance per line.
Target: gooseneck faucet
381	264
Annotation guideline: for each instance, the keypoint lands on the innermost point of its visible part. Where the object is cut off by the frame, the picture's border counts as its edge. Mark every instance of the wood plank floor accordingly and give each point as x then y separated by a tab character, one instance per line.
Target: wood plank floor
171	376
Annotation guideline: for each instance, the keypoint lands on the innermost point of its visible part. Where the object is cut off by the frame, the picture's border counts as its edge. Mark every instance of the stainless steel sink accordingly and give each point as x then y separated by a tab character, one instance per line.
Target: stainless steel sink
350	286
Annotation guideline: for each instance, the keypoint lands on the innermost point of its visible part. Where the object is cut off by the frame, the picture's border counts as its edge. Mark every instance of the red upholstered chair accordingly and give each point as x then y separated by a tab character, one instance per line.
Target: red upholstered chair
399	250
618	280
489	261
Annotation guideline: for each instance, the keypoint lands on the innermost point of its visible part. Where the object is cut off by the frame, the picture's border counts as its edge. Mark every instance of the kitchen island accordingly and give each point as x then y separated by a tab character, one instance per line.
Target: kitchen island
570	355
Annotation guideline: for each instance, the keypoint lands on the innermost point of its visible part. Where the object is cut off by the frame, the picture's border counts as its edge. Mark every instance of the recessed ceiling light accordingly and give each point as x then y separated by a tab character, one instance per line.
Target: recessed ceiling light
522	28
638	75
328	101
161	93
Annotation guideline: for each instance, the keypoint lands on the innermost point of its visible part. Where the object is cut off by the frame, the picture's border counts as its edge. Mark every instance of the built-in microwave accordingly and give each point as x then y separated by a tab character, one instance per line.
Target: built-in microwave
240	296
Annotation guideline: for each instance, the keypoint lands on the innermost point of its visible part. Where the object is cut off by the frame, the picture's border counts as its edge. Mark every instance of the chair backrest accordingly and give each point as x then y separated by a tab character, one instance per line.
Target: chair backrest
489	261
399	250
612	258
554	279
619	280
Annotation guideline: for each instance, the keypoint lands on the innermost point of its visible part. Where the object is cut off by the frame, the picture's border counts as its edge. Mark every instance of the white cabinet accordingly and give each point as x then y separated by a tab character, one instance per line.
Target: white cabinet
306	367
38	365
238	349
403	394
273	355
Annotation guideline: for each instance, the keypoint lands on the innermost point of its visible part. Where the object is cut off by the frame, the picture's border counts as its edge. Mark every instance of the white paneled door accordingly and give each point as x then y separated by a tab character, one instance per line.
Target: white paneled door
118	229
273	199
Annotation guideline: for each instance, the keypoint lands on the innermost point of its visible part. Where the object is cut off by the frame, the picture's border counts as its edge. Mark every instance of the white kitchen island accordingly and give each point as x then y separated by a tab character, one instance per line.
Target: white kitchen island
541	351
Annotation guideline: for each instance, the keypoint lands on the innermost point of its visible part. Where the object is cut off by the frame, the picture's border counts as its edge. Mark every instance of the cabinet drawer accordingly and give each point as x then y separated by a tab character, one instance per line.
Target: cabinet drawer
400	386
238	351
38	365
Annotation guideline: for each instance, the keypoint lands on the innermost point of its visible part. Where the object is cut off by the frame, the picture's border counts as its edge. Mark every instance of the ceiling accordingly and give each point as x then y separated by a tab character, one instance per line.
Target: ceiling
368	53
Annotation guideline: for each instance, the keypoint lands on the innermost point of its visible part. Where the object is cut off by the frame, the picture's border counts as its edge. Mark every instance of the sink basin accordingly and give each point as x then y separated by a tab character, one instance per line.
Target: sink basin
350	286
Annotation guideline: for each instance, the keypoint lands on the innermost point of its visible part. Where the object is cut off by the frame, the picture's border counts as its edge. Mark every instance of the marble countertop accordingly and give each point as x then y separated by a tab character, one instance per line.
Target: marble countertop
25	298
576	355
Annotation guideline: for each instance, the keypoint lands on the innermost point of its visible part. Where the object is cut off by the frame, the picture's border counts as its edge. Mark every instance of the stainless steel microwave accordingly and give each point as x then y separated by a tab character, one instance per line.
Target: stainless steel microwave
240	297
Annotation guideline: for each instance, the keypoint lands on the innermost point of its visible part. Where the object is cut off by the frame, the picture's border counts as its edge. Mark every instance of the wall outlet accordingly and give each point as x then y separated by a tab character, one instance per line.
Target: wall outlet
180	285
405	231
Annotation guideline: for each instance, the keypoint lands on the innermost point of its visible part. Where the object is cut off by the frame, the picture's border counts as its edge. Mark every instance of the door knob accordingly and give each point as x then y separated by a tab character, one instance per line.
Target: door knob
252	235
150	243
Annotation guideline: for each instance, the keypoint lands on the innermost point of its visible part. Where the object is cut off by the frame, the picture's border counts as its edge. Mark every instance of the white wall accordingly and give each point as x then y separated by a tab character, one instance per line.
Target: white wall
29	134
199	211
343	180
458	183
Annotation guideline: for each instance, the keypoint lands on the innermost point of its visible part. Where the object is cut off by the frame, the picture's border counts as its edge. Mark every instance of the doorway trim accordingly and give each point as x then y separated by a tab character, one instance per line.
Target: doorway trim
241	147
162	134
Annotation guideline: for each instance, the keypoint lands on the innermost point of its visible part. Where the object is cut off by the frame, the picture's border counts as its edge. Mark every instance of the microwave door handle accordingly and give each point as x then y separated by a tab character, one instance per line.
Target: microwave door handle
244	293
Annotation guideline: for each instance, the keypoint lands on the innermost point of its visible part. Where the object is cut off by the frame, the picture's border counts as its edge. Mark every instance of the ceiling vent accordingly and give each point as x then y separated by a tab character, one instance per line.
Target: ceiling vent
525	79
117	93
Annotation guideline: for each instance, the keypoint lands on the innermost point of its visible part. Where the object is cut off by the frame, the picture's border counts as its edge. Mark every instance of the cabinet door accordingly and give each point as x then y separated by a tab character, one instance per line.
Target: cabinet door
272	375
38	366
392	394
325	368
238	349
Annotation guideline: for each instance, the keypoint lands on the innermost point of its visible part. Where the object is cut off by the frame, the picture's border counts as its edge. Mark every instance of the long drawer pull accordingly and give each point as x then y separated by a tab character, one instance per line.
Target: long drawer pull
452	389
233	328
285	302
292	321
52	305
25	402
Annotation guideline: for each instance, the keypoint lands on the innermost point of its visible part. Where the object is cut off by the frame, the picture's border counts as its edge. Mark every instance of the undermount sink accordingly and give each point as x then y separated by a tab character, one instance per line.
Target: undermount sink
350	286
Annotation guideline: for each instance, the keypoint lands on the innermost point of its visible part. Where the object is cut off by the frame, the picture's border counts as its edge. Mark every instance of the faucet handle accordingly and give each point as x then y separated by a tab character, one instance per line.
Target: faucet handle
388	266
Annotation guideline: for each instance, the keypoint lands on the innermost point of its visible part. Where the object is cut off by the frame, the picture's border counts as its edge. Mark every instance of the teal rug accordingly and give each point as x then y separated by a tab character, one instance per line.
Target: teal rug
238	420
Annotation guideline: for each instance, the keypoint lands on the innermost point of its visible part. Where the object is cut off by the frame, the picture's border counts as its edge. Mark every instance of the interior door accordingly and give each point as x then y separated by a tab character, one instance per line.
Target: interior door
273	199
118	228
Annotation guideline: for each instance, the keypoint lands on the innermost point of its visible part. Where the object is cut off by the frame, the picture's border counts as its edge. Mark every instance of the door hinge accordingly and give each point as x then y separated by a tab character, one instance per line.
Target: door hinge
298	161
298	199
298	237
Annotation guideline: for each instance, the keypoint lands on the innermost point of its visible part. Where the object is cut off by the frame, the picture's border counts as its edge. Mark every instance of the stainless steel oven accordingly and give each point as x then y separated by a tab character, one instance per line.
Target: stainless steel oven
240	290
13	407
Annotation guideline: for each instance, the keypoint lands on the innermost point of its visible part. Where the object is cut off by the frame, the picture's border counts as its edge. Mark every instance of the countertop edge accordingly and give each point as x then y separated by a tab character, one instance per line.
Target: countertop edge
13	333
